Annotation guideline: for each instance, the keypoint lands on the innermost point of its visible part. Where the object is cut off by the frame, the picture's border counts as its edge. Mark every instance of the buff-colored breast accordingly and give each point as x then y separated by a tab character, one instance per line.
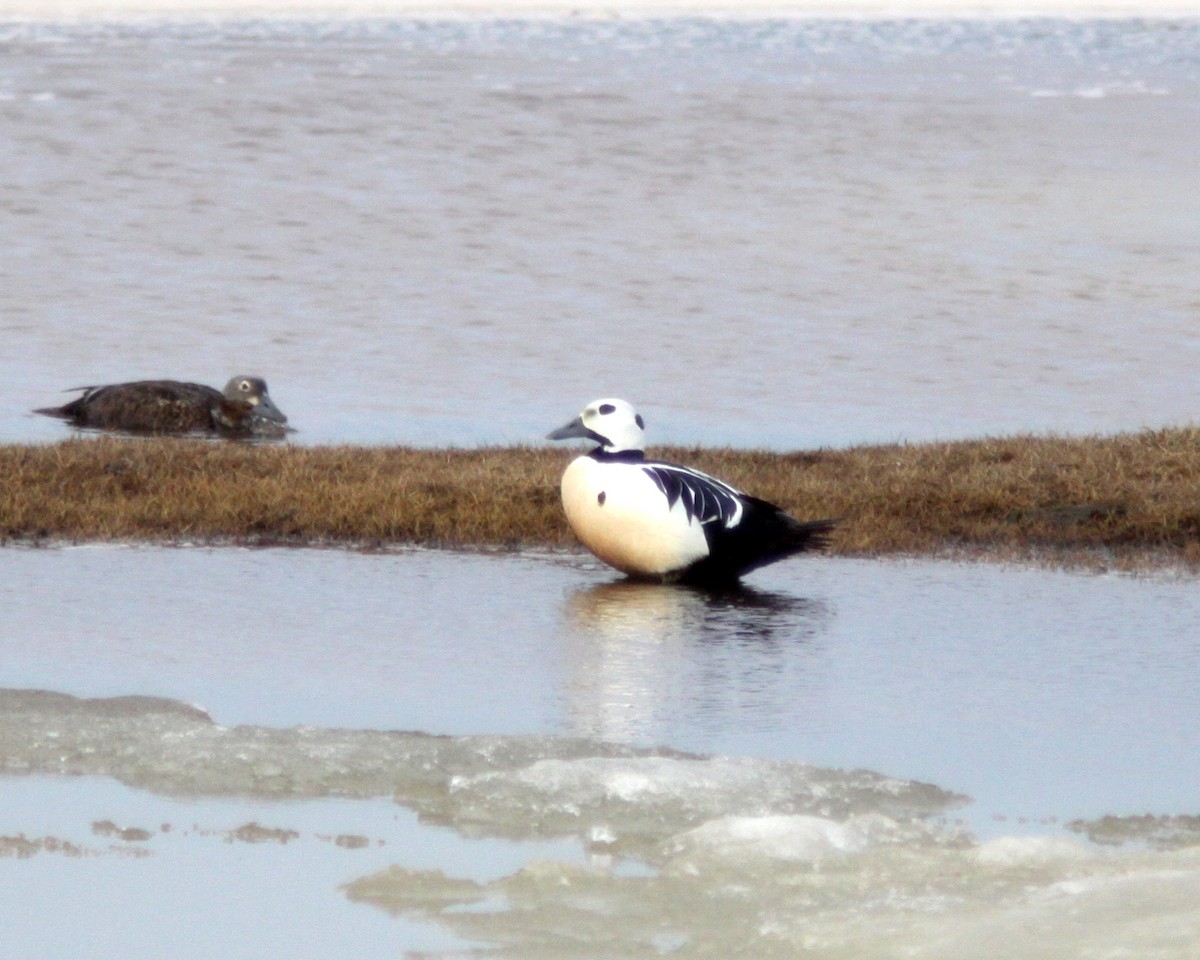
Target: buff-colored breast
618	513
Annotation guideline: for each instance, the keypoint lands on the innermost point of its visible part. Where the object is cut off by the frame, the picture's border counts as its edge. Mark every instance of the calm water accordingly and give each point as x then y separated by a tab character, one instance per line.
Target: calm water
1043	696
771	234
781	233
1039	694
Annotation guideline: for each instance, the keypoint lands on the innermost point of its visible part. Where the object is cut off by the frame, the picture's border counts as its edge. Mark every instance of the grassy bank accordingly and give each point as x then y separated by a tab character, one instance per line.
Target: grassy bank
1127	500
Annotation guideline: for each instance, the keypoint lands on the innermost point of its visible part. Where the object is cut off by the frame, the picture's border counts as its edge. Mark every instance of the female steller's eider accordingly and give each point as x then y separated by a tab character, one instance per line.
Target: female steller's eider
657	520
244	409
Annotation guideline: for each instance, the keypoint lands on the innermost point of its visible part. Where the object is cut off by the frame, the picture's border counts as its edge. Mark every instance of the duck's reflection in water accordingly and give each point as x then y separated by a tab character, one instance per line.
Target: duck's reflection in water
648	660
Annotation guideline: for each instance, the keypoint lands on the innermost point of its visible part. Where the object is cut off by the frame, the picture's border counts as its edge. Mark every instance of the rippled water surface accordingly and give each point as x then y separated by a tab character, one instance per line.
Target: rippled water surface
787	233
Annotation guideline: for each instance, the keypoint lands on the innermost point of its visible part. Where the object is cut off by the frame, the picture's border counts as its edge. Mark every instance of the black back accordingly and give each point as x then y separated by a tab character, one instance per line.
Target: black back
764	535
761	535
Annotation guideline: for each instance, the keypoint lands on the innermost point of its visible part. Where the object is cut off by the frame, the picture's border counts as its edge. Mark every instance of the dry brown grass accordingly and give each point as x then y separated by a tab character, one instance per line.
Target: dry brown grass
113	489
1125	500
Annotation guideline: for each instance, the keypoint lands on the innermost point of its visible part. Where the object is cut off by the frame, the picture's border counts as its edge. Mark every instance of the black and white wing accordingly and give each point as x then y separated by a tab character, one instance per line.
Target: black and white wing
704	498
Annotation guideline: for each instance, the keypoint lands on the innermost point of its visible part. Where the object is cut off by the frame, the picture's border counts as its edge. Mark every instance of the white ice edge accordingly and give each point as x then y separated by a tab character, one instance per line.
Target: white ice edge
57	10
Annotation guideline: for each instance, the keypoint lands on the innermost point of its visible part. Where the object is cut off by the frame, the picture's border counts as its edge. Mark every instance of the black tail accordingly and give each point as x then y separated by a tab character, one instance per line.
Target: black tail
811	534
764	535
73	411
60	412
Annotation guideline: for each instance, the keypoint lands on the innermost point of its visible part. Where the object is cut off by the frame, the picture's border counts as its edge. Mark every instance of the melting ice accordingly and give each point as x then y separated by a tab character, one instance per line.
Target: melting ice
683	854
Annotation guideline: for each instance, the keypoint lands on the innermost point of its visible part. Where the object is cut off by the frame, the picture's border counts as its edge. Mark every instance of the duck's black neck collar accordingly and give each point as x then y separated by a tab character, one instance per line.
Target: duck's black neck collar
617	456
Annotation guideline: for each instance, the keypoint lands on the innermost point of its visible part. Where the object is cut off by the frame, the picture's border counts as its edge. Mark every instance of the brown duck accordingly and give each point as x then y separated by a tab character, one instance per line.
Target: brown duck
244	409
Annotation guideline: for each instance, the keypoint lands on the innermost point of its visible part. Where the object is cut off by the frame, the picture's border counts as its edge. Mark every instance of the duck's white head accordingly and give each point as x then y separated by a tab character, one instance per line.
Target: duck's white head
614	424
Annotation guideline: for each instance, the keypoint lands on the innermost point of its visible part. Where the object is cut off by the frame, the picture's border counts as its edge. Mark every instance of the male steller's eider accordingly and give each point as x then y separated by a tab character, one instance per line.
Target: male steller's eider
244	409
658	520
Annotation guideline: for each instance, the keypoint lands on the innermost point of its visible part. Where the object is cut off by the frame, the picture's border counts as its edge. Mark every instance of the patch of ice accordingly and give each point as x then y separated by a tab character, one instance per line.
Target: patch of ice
797	838
743	857
627	799
1018	851
872	900
641	799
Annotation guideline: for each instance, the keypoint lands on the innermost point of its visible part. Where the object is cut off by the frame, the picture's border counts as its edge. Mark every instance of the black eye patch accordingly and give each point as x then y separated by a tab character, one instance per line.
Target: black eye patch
639	421
606	409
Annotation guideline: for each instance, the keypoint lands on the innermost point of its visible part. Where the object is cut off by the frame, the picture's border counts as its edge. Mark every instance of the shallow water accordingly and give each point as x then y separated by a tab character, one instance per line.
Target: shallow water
199	888
1040	694
780	233
1043	696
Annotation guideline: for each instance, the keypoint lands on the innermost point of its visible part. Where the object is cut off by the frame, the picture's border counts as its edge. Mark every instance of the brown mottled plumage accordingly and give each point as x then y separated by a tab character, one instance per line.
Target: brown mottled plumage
244	409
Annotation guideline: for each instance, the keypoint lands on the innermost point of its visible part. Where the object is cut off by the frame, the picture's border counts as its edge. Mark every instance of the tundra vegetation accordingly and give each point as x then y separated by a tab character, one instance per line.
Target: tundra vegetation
1129	501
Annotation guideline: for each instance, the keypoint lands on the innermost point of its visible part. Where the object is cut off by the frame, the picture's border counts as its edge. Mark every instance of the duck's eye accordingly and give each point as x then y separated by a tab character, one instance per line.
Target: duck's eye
244	386
606	409
637	418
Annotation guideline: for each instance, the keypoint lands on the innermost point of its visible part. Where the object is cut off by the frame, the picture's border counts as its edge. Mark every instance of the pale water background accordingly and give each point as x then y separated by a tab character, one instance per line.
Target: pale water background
782	233
779	233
